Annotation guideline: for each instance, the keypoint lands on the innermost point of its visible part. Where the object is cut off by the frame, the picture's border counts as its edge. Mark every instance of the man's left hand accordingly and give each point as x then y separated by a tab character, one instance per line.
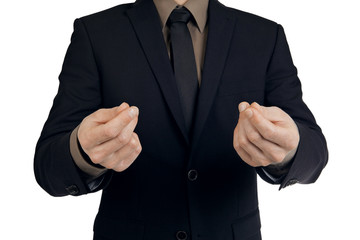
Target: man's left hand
264	135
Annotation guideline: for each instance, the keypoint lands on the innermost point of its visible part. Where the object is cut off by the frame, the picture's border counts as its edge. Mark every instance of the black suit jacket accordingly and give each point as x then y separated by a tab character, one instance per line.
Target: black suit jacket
119	55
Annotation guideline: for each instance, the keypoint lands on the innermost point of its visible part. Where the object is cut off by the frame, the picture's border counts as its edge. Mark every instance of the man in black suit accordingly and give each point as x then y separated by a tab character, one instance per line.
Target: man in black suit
177	178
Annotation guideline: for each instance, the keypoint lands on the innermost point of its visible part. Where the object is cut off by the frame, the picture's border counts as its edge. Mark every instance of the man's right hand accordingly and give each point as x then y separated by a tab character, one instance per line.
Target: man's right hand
107	137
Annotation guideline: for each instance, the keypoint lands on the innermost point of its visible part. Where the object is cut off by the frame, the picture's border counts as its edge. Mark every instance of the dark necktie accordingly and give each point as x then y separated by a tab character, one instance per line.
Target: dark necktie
183	60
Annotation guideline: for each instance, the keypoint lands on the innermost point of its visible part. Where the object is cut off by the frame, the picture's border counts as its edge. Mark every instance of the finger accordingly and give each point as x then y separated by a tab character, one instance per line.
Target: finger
286	131
273	114
86	134
239	150
239	138
273	153
251	140
245	149
236	144
265	127
125	135
128	160
100	152
123	158
246	157
104	115
256	156
112	129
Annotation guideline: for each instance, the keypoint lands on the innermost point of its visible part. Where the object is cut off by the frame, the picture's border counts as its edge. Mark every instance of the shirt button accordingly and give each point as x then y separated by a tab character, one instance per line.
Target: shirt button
192	175
181	235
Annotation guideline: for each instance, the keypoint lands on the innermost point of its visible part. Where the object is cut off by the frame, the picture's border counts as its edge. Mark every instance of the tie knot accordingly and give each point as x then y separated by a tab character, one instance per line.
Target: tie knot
179	15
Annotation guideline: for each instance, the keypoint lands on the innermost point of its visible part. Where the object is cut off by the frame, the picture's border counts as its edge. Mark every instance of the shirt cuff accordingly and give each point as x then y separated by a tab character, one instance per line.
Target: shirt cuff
79	159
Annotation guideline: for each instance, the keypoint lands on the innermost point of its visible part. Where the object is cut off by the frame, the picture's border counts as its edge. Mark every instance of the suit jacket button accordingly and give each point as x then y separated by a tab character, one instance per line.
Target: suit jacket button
192	175
72	189
181	235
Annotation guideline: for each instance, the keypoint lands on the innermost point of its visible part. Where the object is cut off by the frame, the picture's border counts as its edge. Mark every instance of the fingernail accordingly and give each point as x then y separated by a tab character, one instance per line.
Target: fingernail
133	112
242	107
249	113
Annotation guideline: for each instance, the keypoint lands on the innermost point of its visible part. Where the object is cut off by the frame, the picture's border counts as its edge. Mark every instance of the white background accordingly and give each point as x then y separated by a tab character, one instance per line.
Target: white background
324	40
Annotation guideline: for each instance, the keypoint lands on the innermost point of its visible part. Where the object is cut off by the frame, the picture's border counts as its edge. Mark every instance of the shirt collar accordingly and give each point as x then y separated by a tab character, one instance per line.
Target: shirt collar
198	9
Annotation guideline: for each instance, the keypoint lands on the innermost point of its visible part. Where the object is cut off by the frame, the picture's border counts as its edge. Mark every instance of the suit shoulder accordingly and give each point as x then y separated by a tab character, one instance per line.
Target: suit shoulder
253	19
107	14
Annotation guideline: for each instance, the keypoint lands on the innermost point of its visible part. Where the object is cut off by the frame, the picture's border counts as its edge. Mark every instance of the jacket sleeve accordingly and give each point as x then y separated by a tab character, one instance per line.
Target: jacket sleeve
78	96
283	89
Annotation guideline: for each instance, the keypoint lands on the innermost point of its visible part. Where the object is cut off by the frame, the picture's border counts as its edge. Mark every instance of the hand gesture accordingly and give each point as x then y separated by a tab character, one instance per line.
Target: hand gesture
107	137
265	135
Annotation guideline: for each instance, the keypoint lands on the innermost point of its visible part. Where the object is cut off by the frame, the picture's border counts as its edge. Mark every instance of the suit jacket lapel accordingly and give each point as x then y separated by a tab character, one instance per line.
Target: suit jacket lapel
146	22
221	25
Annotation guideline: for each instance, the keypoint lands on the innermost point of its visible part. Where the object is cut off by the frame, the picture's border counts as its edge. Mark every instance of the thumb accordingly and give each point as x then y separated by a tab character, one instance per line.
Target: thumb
243	106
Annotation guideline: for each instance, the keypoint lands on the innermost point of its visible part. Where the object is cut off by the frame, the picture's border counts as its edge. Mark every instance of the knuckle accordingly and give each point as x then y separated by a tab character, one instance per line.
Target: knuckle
97	114
236	130
125	163
125	117
111	165
242	142
133	144
247	160
96	157
275	108
117	169
260	161
135	135
253	136
254	162
240	153
133	157
256	119
236	145
83	138
263	162
123	139
121	166
99	111
109	132
84	142
269	133
138	150
86	120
